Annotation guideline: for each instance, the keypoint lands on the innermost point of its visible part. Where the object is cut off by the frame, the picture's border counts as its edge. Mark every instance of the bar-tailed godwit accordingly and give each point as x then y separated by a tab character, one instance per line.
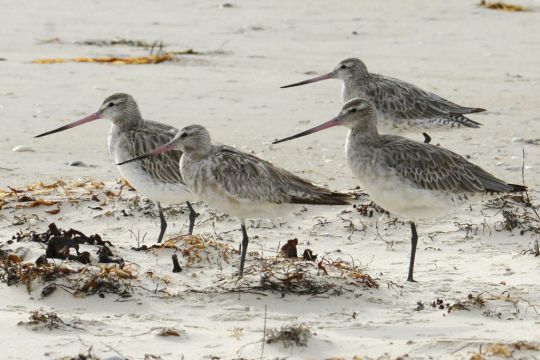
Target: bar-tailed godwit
157	178
240	184
410	179
401	105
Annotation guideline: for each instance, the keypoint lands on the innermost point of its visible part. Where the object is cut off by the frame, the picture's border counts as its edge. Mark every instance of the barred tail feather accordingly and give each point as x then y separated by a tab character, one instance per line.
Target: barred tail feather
461	120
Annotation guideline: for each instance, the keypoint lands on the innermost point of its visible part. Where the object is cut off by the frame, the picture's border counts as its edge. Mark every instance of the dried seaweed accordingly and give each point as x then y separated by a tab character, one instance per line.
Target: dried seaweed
301	276
534	249
120	42
110	280
493	305
369	209
309	255
504	350
472	301
58	192
106	256
290	335
40	318
518	212
14	271
498	5
190	52
167	331
292	279
59	242
89	355
138	60
70	236
305	277
86	280
194	249
289	249
469	228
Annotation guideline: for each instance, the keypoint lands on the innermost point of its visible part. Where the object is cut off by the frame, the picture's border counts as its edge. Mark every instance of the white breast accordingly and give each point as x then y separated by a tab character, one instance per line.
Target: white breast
401	198
200	179
394	193
244	208
155	190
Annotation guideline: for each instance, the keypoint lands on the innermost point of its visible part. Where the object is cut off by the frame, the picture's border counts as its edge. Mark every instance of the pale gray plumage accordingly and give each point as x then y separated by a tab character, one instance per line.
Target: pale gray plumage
435	168
158	178
244	177
401	105
247	177
408	178
145	137
238	183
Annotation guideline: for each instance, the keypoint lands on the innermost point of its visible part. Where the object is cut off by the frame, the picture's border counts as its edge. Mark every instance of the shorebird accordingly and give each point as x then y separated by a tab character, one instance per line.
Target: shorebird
401	105
240	184
410	179
157	178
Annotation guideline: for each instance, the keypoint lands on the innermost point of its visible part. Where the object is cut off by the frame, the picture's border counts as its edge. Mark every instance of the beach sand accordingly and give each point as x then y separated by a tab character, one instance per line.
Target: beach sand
488	276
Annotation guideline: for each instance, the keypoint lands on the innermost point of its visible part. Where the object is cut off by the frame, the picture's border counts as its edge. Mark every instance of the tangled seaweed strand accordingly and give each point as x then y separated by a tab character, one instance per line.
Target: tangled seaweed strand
304	277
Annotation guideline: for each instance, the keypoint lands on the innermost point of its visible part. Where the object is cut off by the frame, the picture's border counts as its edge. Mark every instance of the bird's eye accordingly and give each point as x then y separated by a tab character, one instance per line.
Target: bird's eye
111	104
343	67
353	110
183	135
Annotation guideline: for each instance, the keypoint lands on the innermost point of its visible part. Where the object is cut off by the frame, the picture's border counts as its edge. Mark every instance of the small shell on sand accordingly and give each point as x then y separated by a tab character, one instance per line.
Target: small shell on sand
22	148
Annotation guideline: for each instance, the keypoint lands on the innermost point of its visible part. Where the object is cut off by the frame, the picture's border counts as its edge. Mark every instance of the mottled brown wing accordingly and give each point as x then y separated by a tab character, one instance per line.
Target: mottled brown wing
247	177
435	168
407	101
164	167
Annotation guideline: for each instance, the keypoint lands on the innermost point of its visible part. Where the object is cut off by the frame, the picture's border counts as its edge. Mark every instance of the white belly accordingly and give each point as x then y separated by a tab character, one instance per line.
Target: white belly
154	189
165	193
397	195
404	200
243	208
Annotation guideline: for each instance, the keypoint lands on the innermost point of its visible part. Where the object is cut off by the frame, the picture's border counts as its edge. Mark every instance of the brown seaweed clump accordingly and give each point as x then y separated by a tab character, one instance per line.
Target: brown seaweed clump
305	277
42	319
77	280
289	335
518	212
501	6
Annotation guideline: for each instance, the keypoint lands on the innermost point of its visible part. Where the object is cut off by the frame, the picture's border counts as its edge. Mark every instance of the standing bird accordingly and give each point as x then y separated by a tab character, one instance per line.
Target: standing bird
411	179
240	184
158	178
401	105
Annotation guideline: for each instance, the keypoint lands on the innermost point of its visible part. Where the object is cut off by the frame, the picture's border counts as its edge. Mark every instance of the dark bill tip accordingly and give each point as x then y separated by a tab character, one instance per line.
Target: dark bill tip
92	117
61	128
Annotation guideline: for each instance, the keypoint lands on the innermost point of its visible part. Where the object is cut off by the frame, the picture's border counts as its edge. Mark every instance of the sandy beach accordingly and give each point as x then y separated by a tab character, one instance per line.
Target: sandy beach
478	271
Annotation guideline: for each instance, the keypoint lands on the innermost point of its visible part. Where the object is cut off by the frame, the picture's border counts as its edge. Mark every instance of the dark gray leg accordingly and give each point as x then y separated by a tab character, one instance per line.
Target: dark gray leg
192	216
163	223
245	241
427	138
414	241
